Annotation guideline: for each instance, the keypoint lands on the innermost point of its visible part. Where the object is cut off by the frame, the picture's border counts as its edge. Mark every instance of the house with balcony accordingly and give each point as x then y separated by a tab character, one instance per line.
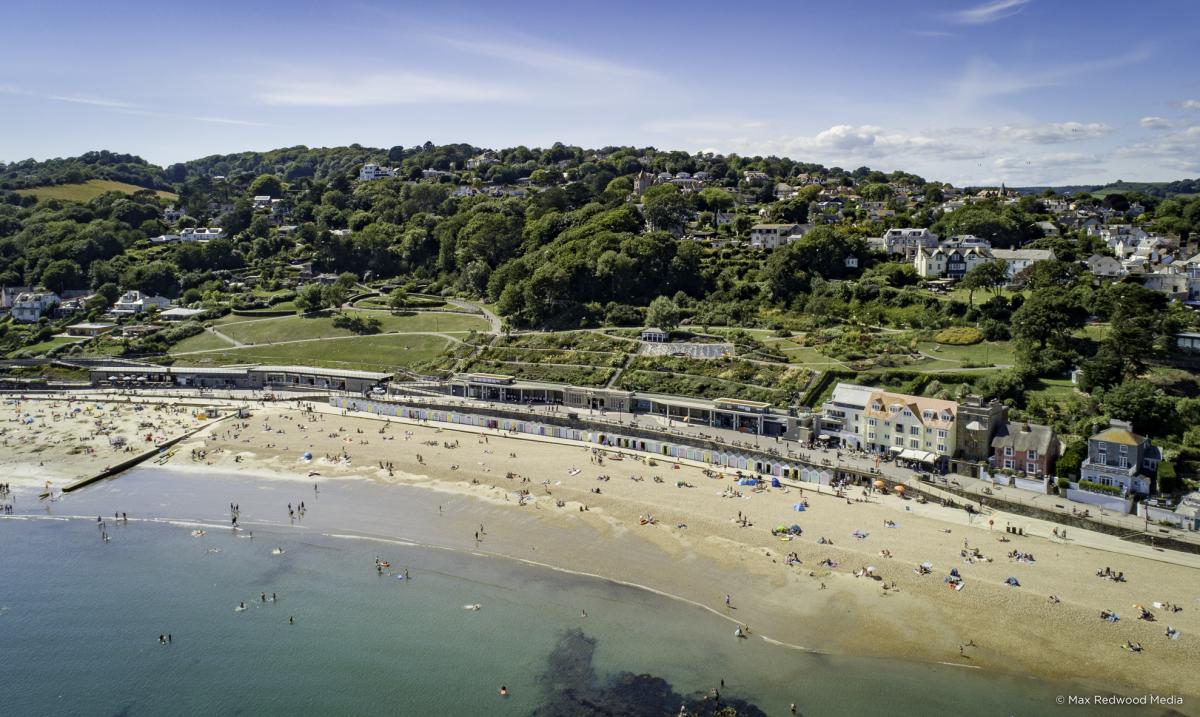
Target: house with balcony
29	306
135	302
907	241
772	236
1120	462
949	263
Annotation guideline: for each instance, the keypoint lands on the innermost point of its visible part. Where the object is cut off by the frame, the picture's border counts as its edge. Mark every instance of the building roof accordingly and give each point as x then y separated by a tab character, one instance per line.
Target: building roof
180	311
1027	254
331	372
1116	434
91	325
1024	437
916	404
849	394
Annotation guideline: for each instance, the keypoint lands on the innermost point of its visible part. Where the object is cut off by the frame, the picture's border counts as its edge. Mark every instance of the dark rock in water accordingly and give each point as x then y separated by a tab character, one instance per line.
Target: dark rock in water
572	689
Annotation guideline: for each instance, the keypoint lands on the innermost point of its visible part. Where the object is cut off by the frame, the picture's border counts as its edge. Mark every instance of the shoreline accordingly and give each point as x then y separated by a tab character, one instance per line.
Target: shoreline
921	623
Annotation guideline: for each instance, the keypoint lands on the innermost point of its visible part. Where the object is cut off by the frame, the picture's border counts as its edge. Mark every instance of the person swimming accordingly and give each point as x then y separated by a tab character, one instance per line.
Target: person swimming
503	691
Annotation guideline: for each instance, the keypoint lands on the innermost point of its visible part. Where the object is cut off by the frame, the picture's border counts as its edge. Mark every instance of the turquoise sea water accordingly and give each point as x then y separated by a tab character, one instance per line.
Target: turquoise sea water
80	620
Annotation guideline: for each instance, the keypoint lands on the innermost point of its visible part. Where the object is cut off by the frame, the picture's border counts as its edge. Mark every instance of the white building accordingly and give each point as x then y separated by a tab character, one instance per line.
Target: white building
771	236
201	233
374	171
135	302
906	241
1020	259
29	306
951	263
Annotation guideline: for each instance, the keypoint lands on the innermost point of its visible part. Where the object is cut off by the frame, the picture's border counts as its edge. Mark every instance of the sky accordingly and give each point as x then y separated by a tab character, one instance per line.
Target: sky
1026	92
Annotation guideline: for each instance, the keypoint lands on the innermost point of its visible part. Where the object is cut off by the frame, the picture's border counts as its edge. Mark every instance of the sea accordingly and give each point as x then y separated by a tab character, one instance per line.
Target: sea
83	604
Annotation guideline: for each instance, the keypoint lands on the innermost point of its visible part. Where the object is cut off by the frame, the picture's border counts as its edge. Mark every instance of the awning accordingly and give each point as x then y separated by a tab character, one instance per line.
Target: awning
912	454
824	437
896	449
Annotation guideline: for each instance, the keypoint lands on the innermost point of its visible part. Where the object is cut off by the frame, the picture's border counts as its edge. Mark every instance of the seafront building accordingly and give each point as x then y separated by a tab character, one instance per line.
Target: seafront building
912	428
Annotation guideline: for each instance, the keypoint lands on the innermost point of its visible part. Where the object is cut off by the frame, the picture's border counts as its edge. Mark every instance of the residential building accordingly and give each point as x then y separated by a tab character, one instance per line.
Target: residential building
1026	448
173	214
481	160
262	201
374	171
29	306
180	314
937	263
9	294
201	233
135	302
1120	458
1107	266
906	241
753	176
770	236
1019	260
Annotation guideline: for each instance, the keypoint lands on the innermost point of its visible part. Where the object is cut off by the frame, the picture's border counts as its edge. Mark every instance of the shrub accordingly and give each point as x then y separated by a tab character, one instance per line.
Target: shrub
1098	488
959	336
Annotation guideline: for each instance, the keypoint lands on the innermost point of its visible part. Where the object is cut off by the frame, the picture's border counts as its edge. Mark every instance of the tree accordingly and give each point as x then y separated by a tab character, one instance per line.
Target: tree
61	275
1143	404
268	185
1071	460
666	209
1048	318
991	276
310	297
155	278
663	313
1167	479
398	299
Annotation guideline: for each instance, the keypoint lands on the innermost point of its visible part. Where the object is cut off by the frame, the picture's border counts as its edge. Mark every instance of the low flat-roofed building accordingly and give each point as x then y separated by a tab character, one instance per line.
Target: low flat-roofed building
89	329
179	314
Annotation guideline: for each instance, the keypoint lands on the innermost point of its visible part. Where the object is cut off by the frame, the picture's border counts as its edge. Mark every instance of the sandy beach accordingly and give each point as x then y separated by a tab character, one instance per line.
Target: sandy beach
709	538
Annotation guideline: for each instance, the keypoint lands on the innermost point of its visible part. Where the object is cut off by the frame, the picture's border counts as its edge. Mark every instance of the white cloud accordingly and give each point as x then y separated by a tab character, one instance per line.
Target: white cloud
1156	123
988	12
398	88
1191	104
1047	133
702	124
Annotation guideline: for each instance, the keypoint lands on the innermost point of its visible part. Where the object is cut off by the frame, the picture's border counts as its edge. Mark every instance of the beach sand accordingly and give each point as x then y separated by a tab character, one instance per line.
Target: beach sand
1011	629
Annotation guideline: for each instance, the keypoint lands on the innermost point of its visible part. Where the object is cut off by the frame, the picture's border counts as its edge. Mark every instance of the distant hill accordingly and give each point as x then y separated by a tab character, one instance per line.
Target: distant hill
106	165
290	163
86	191
1162	190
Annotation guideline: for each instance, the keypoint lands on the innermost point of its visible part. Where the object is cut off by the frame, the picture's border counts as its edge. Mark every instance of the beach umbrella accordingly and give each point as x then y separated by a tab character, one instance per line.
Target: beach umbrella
307	456
798	507
775	483
796	529
1013	582
899	489
927	565
780	529
879	484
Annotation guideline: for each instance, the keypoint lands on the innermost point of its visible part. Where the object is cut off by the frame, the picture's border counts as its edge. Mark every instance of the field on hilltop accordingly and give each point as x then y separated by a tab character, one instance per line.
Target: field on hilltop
87	191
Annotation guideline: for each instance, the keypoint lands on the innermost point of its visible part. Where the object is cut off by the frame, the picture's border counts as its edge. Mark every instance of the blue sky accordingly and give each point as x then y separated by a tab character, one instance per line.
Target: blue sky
1021	91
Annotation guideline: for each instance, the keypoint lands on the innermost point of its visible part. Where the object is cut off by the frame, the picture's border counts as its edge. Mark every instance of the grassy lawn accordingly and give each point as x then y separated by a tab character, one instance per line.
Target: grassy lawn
40	348
365	353
200	342
985	352
87	191
293	328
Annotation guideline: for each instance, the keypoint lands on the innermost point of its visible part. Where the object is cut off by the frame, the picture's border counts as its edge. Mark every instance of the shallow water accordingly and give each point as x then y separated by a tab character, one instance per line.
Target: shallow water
80	620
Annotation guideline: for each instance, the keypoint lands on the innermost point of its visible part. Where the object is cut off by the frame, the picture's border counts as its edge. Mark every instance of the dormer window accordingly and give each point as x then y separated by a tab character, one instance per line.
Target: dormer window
876	406
947	416
927	414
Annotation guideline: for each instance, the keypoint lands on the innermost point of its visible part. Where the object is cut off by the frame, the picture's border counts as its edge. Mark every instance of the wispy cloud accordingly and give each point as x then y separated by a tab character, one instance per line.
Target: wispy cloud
397	88
1191	104
1047	161
983	78
75	99
932	33
1047	133
532	53
987	12
1178	150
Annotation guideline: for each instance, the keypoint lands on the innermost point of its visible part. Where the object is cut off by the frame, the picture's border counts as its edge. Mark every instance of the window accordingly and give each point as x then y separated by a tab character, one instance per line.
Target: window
1031	454
1008	464
915	430
914	443
1008	450
941	448
1031	467
870	421
871	436
900	440
907	413
941	434
876	406
927	414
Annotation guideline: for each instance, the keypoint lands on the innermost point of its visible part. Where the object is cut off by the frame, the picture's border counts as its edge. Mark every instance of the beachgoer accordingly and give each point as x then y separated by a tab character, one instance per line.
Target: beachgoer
291	620
503	691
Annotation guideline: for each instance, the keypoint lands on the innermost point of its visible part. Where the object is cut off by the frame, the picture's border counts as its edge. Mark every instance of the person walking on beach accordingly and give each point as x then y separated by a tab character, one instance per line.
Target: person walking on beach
727	600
